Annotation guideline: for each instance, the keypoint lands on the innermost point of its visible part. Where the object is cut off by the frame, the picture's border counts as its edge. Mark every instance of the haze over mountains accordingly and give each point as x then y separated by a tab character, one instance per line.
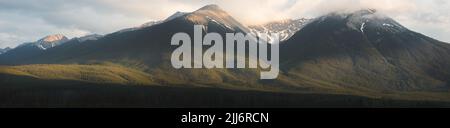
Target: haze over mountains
359	53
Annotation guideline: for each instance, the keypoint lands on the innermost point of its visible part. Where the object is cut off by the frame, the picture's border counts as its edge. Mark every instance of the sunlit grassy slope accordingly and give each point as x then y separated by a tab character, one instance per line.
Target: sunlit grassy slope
111	74
108	73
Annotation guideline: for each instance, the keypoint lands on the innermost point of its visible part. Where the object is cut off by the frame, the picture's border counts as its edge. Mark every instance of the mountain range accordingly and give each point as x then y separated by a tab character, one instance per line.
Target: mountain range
362	53
366	50
4	50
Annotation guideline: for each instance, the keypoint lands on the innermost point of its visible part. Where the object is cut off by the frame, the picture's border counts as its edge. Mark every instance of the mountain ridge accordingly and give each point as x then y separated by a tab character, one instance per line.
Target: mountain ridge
357	53
337	42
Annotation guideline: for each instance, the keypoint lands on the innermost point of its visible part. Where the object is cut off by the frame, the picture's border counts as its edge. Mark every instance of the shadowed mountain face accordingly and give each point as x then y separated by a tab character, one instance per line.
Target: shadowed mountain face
145	45
365	49
363	53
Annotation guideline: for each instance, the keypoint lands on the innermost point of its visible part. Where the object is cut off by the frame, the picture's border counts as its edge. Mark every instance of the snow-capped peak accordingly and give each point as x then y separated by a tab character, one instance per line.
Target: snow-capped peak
51	41
370	18
150	23
286	28
89	37
364	21
211	7
214	14
362	27
145	25
53	38
4	50
204	15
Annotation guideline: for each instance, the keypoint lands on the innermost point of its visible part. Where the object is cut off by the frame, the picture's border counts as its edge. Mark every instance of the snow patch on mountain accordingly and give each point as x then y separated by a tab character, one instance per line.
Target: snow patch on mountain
362	27
51	41
388	25
213	13
145	25
285	28
47	42
370	18
89	37
4	50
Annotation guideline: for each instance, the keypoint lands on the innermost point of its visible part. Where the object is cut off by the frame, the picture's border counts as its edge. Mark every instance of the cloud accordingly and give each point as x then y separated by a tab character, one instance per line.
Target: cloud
28	20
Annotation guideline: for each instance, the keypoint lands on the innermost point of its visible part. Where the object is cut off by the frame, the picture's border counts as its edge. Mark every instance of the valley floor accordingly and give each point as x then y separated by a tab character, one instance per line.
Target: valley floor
32	92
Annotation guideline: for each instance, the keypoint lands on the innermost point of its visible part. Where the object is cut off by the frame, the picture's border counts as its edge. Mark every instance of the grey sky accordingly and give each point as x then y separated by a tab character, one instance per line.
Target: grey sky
28	20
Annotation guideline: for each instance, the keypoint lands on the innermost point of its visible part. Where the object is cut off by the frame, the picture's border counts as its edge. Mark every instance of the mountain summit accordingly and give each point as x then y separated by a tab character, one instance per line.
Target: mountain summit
365	49
51	41
211	7
213	14
31	50
54	38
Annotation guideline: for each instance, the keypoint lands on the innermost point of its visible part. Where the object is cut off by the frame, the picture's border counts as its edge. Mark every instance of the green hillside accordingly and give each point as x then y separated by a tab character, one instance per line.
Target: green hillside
111	74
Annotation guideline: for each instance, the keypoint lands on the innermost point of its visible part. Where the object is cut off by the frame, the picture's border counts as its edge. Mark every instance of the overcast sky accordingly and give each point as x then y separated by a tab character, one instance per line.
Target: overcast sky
28	20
